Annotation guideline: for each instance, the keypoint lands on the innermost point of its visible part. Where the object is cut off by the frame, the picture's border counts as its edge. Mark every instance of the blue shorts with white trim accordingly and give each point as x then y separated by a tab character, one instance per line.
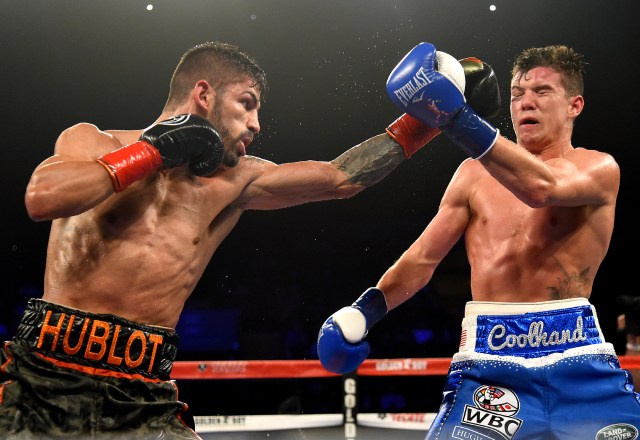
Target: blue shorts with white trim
536	371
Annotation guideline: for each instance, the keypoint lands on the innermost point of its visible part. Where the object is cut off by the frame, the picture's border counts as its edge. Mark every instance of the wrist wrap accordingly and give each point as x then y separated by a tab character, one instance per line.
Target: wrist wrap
131	163
472	133
372	304
411	134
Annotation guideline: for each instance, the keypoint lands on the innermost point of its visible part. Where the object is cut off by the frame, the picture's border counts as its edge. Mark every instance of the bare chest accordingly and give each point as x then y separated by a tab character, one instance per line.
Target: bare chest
498	215
166	203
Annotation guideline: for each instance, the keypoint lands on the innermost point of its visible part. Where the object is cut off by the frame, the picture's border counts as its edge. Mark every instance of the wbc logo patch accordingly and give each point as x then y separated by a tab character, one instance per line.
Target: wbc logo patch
498	400
495	409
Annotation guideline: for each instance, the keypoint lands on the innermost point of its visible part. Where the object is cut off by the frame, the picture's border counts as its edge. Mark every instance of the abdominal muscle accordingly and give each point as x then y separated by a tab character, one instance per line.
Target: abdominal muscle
531	268
523	254
141	265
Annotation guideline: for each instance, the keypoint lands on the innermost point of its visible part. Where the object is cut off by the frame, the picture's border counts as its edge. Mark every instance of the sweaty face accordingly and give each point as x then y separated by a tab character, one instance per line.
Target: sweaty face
235	116
541	111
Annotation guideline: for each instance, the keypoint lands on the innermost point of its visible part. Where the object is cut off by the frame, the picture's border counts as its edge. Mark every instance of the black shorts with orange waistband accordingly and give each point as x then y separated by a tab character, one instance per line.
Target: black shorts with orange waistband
97	341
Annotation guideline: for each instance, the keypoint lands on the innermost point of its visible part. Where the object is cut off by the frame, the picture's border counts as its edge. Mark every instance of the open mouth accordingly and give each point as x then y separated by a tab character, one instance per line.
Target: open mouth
528	121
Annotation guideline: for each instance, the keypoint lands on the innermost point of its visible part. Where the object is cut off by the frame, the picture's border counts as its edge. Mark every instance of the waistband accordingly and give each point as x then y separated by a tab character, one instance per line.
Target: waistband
97	340
529	330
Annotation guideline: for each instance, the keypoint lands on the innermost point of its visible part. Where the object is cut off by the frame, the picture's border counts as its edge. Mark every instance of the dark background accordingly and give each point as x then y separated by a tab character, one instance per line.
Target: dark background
281	273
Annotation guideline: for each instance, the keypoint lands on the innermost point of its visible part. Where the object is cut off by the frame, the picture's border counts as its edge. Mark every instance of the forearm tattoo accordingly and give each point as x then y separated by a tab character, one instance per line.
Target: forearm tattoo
370	161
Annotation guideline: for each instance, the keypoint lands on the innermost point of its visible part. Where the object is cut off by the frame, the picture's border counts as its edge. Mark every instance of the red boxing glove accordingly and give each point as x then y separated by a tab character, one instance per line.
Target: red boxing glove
131	163
411	134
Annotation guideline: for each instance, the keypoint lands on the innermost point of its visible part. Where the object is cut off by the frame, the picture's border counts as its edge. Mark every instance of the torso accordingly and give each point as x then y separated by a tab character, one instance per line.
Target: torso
140	253
523	254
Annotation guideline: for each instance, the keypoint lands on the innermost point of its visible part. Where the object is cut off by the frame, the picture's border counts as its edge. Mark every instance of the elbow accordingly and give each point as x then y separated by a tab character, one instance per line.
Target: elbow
342	190
38	203
36	211
350	191
533	200
536	196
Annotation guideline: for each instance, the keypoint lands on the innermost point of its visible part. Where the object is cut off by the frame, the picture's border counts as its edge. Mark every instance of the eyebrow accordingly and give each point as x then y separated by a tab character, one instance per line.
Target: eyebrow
532	87
254	96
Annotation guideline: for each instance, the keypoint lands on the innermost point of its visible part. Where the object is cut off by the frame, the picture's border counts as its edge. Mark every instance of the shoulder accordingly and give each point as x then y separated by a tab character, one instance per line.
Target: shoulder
591	154
470	169
248	170
81	129
599	169
85	139
467	178
597	162
252	167
256	162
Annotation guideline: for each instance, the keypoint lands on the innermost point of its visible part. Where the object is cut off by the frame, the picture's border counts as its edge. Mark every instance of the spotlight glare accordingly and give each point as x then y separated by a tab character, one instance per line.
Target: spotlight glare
149	7
492	7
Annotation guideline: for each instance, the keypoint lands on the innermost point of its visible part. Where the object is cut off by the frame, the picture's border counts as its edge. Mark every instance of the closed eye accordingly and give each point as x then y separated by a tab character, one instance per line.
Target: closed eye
516	93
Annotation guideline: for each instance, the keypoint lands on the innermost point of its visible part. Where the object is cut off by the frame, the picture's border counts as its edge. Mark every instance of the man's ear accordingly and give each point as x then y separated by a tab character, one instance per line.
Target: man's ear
204	96
576	104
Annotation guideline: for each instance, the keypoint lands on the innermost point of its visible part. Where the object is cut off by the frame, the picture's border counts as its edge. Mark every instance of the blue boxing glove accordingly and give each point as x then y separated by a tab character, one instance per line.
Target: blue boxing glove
429	85
341	348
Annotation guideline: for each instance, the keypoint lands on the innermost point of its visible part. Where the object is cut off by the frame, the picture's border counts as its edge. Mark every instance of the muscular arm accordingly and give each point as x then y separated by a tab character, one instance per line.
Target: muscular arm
414	269
341	339
71	181
295	183
581	177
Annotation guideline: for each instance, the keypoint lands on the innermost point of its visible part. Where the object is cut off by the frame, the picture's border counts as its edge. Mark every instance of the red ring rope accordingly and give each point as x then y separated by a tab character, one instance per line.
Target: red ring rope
283	369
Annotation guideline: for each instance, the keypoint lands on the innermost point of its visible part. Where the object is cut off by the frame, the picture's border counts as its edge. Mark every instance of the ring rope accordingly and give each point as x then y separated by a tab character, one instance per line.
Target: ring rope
291	369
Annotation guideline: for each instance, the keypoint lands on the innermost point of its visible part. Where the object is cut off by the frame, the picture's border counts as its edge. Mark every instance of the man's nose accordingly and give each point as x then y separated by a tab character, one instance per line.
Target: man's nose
527	102
253	124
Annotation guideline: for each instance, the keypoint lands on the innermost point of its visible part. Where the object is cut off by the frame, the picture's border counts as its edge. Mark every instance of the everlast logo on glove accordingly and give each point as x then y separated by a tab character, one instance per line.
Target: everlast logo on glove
407	92
102	341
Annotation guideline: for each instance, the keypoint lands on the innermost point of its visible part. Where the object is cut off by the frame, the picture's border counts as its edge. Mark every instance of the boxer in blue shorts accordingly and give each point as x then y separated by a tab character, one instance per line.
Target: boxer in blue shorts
535	371
536	217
